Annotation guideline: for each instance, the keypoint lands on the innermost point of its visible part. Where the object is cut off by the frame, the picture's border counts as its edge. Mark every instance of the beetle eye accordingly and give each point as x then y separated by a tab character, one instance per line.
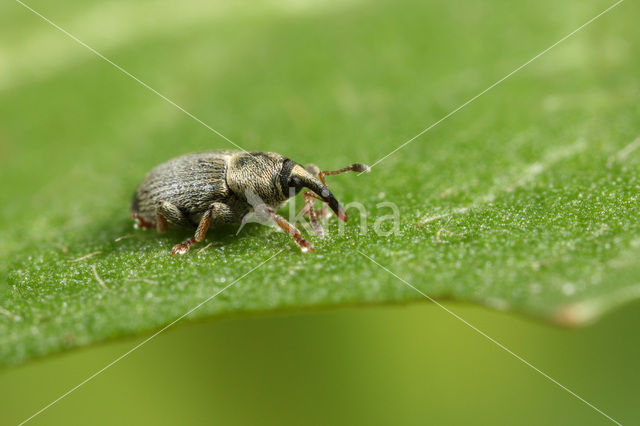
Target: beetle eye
290	178
296	183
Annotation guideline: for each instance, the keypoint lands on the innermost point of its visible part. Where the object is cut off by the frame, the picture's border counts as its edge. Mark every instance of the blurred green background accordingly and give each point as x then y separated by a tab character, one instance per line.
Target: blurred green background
411	365
329	82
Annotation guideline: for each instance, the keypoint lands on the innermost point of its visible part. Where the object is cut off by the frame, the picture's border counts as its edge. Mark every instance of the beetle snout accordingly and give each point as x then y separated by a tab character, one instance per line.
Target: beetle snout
336	207
328	198
306	179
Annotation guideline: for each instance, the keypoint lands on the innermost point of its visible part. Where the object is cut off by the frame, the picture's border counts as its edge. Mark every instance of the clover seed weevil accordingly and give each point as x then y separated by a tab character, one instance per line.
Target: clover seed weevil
220	187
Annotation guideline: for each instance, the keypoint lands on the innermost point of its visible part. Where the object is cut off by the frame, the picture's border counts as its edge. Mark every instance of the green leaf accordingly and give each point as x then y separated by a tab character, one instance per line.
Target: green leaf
526	199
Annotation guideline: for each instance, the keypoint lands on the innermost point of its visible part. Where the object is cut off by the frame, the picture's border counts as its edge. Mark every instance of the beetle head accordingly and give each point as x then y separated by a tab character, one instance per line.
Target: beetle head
295	176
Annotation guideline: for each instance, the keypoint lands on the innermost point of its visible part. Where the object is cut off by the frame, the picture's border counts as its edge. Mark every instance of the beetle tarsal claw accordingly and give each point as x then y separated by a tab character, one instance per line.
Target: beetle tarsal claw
182	248
305	246
179	249
318	229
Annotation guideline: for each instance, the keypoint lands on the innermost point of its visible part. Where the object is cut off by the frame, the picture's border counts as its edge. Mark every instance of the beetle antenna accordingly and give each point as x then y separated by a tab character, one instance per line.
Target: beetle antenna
356	167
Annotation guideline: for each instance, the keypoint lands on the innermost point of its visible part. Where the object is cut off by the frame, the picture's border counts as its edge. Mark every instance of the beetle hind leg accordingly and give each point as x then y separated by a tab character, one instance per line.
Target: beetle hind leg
141	223
218	213
201	232
168	213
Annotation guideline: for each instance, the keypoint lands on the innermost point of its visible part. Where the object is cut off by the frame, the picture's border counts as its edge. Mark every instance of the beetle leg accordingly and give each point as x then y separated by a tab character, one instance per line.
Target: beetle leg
140	223
323	211
309	199
304	245
171	214
201	232
356	167
161	223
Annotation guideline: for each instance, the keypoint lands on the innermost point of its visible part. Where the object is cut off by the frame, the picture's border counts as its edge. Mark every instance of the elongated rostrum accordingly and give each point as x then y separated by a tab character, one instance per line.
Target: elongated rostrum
221	187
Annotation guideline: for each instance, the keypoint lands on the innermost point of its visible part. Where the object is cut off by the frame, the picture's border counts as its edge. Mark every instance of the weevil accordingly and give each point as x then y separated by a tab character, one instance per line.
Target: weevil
221	187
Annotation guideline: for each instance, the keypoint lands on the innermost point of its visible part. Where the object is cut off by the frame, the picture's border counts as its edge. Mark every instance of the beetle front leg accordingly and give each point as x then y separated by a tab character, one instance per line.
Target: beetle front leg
201	232
304	245
309	200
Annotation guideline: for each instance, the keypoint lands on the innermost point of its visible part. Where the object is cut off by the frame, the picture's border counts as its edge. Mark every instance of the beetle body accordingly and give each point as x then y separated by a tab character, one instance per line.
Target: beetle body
222	187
